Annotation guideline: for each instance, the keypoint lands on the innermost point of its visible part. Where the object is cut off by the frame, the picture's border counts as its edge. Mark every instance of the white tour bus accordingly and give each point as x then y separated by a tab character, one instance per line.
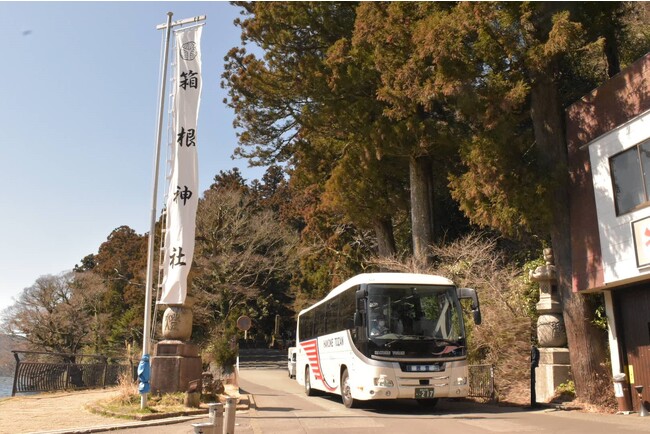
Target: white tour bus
386	336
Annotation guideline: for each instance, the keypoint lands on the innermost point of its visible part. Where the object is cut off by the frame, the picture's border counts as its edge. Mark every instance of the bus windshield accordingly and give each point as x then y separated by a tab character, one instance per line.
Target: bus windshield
415	320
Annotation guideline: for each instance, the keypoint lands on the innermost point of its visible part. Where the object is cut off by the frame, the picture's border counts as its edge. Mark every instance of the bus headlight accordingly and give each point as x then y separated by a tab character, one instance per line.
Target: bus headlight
461	381
383	381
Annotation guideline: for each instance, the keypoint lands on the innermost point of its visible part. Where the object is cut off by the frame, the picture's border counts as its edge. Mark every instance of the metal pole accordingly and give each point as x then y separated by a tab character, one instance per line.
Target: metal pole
182	22
203	428
534	363
14	387
216	416
154	198
230	414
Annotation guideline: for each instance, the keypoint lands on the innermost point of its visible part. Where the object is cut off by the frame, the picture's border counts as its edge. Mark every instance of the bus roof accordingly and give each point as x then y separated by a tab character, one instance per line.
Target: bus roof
389	278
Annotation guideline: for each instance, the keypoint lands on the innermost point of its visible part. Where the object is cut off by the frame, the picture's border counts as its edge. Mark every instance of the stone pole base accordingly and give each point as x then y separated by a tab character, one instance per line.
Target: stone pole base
174	365
554	369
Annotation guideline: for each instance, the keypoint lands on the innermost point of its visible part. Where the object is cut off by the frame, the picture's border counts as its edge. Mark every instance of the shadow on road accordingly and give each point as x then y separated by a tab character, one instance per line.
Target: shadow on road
445	407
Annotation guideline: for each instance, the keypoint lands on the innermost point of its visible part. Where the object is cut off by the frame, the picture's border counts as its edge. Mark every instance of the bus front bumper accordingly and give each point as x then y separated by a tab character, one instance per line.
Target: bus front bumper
414	388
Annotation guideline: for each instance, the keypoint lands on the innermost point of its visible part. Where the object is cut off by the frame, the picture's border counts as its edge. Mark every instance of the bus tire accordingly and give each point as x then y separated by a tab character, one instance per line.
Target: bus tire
346	391
308	389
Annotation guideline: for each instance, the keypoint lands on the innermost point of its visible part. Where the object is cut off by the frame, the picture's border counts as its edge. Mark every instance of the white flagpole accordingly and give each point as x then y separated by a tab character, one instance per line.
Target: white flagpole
146	334
146	338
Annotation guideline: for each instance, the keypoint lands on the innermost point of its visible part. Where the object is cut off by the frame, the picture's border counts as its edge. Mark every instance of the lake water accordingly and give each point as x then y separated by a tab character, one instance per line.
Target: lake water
6	383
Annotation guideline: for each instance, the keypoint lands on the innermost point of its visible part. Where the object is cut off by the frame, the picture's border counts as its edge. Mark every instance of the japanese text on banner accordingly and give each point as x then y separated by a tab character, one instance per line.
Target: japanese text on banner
182	196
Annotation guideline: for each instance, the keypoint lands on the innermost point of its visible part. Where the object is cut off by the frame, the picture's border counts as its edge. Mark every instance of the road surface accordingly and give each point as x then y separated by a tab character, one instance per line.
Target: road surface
282	407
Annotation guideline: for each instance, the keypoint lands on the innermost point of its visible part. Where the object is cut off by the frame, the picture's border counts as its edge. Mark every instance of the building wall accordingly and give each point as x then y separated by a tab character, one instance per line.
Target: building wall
616	240
605	120
585	240
611	119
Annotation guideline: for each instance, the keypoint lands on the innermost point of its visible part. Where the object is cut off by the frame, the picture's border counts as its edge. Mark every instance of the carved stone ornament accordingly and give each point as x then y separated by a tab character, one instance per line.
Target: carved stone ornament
177	321
551	331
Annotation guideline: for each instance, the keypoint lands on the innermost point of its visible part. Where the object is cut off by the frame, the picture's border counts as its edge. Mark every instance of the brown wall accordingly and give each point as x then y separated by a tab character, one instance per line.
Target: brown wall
633	317
620	99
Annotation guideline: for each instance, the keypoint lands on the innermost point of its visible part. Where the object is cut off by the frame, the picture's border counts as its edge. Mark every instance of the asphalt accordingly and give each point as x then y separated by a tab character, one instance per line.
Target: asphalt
66	413
625	422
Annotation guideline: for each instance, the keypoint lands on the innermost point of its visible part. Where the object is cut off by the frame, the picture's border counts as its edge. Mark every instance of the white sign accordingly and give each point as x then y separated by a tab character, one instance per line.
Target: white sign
641	234
183	194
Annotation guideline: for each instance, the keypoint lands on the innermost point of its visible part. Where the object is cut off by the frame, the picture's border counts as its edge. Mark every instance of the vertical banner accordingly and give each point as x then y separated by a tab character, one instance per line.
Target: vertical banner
183	195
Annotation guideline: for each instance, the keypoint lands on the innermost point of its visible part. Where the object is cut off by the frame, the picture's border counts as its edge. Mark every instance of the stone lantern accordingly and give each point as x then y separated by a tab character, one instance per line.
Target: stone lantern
554	366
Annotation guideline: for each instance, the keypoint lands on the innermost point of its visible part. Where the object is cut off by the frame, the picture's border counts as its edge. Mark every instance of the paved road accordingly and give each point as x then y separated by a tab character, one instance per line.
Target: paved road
282	407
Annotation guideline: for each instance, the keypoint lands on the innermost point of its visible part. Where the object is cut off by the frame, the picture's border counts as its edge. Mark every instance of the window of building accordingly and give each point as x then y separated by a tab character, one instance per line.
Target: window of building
631	178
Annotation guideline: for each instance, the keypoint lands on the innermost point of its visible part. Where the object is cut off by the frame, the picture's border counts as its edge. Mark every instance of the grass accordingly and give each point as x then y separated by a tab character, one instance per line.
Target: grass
130	405
127	403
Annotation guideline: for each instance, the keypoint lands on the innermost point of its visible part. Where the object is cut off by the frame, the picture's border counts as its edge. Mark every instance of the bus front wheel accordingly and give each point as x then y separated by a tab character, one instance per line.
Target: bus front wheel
346	391
308	390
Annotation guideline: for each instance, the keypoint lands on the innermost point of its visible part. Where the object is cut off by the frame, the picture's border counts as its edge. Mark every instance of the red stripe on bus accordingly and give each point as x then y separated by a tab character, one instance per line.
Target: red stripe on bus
311	349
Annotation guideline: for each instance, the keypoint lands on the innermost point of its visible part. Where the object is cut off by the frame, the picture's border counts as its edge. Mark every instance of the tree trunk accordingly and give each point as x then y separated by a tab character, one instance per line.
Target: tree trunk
385	238
421	183
586	344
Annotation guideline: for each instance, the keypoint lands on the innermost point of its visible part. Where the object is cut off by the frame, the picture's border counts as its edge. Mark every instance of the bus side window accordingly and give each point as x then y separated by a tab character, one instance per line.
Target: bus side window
347	307
332	315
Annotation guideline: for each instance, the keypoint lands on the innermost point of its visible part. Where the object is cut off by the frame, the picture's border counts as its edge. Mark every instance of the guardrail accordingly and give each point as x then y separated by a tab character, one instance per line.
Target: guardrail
46	376
481	381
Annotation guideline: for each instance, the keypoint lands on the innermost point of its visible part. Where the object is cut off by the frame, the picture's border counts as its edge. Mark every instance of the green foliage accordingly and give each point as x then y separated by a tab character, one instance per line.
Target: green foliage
597	301
634	31
600	318
120	263
284	92
566	390
531	293
223	351
126	328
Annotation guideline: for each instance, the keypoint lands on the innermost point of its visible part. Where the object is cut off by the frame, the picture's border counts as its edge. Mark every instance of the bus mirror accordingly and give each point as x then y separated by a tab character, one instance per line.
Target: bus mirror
469	293
358	319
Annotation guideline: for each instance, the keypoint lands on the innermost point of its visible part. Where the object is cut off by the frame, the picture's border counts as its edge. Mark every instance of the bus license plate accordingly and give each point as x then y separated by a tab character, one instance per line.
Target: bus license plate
423	393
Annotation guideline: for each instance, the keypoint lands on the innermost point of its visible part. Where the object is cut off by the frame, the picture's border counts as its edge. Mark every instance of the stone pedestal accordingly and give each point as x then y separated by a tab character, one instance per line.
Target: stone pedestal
173	366
554	369
175	362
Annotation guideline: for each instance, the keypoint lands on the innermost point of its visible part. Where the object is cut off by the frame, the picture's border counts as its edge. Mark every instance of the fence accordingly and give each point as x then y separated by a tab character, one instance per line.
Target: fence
481	381
39	376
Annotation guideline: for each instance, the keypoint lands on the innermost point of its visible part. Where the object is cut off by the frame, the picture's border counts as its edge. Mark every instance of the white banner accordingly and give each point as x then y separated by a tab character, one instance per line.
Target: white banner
183	194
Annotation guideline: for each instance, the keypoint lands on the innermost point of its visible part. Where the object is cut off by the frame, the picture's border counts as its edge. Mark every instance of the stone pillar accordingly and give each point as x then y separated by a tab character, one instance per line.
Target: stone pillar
176	362
554	367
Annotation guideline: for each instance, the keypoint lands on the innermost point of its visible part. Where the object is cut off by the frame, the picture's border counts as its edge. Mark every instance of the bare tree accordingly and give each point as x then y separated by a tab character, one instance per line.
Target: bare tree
243	256
54	314
89	288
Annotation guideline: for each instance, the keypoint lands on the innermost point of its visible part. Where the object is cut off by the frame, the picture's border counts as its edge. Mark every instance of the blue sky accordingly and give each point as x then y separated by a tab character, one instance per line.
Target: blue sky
78	105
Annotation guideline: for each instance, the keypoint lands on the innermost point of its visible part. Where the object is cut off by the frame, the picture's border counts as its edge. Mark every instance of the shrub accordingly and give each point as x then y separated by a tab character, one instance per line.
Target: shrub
222	352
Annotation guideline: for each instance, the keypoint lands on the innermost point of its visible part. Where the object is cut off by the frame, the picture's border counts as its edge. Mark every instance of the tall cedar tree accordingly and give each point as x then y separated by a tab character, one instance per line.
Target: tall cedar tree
313	96
422	133
515	59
